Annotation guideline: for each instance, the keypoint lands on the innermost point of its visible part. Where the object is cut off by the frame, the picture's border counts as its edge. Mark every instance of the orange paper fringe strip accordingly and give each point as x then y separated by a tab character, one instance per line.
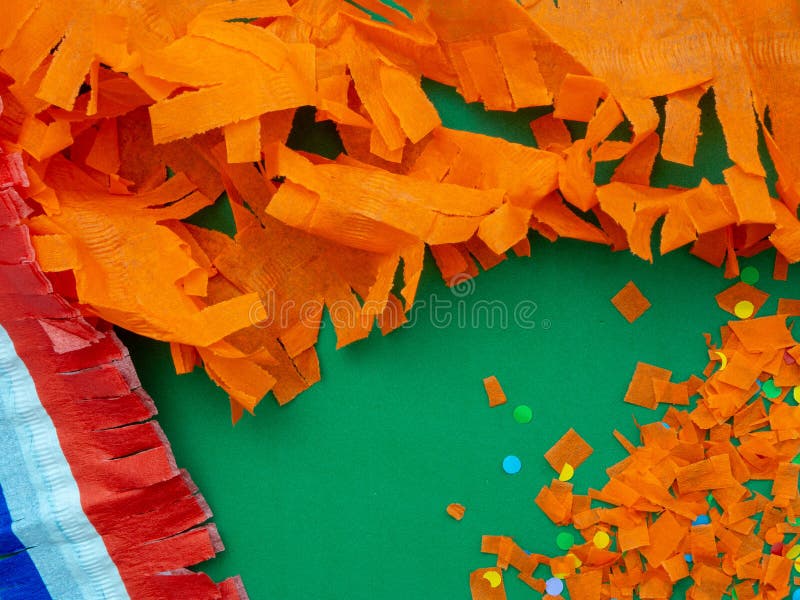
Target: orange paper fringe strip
102	96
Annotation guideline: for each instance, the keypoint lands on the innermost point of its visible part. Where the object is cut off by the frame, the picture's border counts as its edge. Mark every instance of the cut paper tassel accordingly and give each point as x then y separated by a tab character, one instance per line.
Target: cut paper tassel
92	504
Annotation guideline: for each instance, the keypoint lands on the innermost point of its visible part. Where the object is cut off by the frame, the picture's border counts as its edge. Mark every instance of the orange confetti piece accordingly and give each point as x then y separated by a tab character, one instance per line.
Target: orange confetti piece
570	449
630	302
667	392
494	391
456	511
487	584
738	292
642	390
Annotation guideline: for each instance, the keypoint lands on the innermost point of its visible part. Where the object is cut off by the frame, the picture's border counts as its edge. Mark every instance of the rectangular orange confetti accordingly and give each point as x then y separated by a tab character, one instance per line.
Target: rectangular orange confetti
494	391
630	302
709	474
667	392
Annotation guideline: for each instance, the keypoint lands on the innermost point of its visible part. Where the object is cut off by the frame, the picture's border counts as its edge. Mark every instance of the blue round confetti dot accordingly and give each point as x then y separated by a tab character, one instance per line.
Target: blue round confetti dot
554	586
687	557
701	520
512	464
665	425
796	594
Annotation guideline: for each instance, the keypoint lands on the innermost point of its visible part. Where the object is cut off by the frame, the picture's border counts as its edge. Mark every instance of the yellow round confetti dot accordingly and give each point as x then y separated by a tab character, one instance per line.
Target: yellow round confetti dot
793	553
493	577
567	471
578	562
723	360
744	309
796	393
797	565
601	539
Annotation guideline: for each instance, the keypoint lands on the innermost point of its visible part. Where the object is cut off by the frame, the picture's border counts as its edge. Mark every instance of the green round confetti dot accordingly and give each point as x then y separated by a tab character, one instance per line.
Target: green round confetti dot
749	275
523	414
770	389
565	540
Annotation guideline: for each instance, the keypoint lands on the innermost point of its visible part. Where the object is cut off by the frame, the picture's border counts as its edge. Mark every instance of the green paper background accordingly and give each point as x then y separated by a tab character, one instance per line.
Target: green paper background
342	493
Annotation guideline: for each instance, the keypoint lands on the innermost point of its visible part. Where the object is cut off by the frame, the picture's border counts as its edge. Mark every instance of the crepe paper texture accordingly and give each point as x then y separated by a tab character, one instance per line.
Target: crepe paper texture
101	98
494	392
487	584
92	504
678	507
570	449
456	511
630	302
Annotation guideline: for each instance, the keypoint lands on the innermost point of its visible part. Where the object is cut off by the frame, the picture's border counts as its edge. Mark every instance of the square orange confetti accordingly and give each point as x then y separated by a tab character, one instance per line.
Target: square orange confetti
630	302
741	292
571	449
641	390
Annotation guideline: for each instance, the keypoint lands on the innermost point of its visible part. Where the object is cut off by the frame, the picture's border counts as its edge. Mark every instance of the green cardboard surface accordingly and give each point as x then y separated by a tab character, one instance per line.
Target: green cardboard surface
342	493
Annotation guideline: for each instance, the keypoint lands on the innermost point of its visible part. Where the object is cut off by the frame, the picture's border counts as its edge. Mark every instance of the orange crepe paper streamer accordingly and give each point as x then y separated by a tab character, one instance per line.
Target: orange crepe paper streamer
120	93
630	302
494	392
98	239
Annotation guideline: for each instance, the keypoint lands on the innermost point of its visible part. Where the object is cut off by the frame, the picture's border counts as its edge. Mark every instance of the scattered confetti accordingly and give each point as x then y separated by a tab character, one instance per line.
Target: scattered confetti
630	302
678	506
456	511
512	464
523	414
